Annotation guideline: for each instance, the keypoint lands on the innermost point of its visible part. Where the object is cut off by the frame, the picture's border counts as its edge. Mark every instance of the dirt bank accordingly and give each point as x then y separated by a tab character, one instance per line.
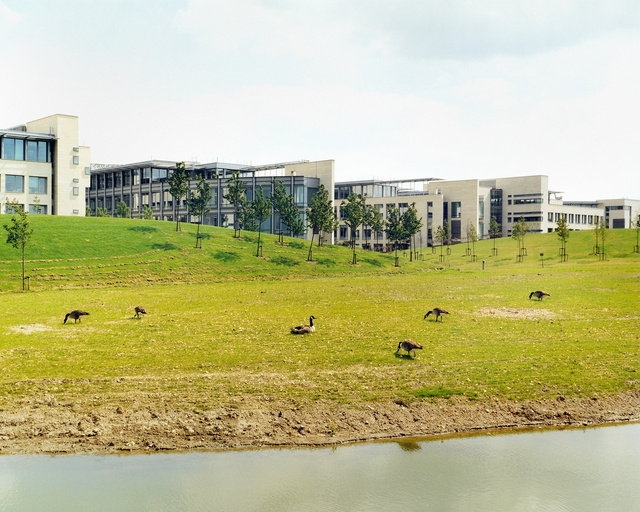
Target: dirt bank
53	428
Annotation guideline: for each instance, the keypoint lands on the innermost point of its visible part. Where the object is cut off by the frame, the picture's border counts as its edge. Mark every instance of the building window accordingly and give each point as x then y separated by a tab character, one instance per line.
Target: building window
550	216
14	183
109	180
155	200
37	185
76	191
117	179
32	150
136	176
126	178
299	196
146	175
100	181
38	209
456	209
145	199
76	160
11	208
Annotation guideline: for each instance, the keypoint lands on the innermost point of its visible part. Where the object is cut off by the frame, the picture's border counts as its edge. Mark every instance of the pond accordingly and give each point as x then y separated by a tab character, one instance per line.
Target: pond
552	470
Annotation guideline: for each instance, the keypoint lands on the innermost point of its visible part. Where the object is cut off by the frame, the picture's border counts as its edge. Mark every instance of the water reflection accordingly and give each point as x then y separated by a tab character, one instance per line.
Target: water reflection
587	469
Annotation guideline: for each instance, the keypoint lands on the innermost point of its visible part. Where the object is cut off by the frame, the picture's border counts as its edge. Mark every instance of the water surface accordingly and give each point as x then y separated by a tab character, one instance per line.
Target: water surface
569	470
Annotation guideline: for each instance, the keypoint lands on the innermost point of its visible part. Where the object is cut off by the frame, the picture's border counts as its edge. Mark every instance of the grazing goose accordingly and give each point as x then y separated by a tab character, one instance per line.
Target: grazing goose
140	310
75	315
409	345
539	294
304	329
437	312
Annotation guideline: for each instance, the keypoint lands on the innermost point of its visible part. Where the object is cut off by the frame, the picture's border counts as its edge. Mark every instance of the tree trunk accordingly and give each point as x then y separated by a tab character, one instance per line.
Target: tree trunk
22	267
310	255
259	230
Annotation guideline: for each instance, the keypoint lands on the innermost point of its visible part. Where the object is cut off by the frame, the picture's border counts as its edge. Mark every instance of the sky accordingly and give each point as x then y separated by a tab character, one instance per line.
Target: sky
389	89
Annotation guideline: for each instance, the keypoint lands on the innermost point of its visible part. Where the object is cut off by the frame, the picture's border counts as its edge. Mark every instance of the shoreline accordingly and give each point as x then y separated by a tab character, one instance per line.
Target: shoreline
56	429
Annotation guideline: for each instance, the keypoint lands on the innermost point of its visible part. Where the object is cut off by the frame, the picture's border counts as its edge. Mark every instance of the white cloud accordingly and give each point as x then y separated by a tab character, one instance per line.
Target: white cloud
8	18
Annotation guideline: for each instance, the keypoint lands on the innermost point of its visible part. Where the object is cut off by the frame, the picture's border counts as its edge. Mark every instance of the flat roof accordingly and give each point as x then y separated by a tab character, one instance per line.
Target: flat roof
20	134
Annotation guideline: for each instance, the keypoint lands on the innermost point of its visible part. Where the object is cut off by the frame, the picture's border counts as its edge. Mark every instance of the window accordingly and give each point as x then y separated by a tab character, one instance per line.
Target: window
37	185
8	148
38	209
10	208
117	179
43	151
299	196
145	199
32	150
456	210
76	160
136	176
126	178
155	200
94	182
100	181
550	217
109	178
146	175
76	191
14	183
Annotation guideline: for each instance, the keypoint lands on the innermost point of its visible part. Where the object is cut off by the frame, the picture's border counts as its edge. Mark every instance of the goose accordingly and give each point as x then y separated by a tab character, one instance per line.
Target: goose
139	310
75	314
409	345
437	312
539	294
304	329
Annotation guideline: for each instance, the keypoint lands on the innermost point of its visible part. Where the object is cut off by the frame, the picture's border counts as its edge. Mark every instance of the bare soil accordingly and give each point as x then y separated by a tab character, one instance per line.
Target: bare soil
52	428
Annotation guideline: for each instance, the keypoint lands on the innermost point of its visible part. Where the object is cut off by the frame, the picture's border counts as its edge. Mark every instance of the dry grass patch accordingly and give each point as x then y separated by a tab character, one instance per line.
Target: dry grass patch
518	313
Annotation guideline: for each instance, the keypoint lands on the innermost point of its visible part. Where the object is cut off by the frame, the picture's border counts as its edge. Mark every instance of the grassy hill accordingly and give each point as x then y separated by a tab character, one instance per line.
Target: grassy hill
219	317
77	252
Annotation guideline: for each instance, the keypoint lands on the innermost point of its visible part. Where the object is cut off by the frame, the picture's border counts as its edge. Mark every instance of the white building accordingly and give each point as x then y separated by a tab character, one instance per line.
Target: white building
43	168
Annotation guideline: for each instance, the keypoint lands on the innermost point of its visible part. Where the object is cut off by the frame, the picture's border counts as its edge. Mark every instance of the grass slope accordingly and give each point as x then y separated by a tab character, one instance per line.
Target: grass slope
218	324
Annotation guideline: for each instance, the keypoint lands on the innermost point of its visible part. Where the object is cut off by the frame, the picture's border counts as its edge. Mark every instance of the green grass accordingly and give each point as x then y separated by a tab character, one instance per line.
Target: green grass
217	329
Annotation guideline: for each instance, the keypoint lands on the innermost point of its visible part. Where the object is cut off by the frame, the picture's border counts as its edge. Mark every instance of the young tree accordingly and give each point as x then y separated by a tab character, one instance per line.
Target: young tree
292	218
122	210
395	229
377	223
199	204
472	236
603	236
319	215
439	238
236	196
147	213
411	225
101	212
261	211
87	211
519	231
562	229
352	213
279	202
636	226
178	188
368	214
494	231
19	232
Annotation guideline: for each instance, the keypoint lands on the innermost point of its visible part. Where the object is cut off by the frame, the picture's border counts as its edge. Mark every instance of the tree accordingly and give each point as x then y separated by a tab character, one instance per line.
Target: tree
377	222
199	204
472	236
353	214
236	196
395	229
292	218
261	211
319	215
494	231
280	203
102	212
562	229
147	213
19	232
519	231
440	237
603	236
411	225
178	188
122	210
87	211
636	226
368	214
